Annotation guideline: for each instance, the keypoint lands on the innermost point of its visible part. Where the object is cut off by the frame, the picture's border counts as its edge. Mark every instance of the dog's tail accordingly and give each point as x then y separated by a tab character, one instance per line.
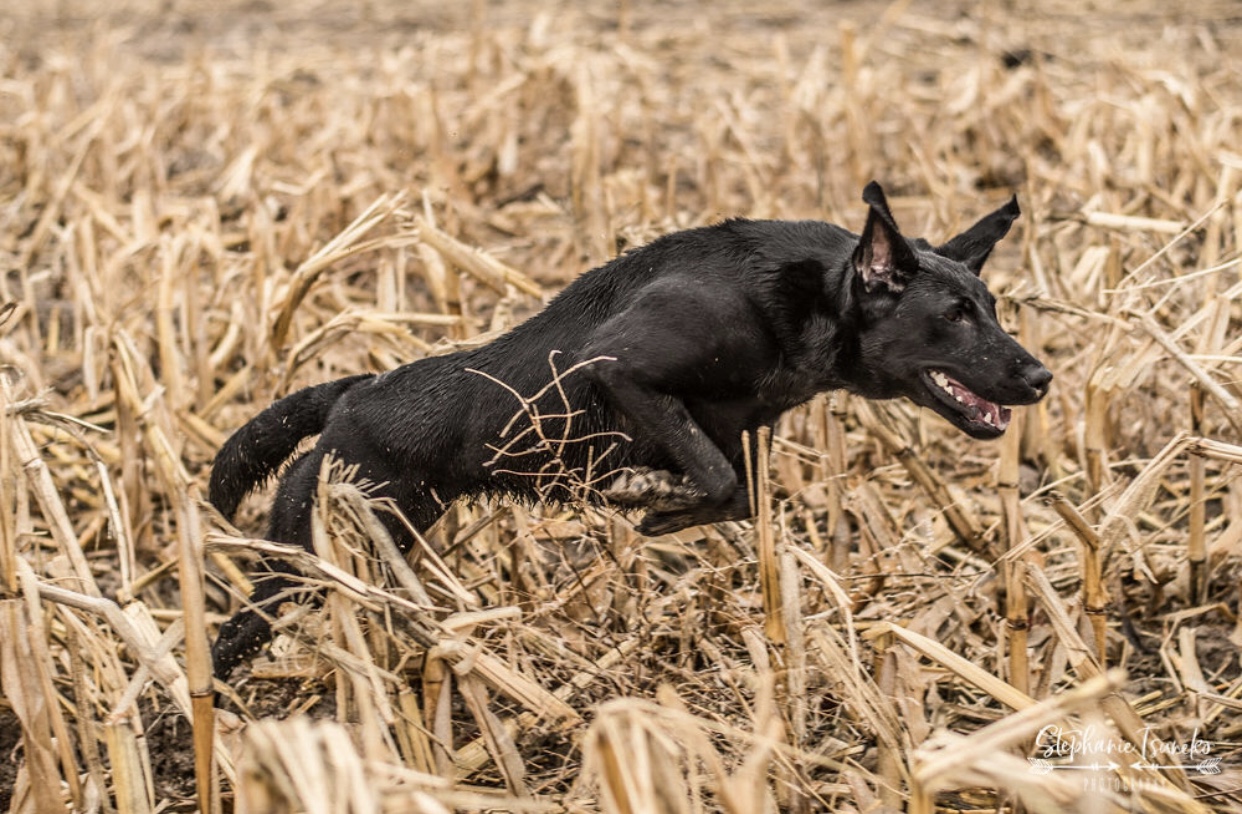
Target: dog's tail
256	451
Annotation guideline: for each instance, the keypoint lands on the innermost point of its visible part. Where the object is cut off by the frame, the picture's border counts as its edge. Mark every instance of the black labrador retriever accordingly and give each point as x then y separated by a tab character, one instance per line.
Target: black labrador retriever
658	361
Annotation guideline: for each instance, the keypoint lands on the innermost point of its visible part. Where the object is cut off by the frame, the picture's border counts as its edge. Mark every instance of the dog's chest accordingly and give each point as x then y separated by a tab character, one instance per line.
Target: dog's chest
784	388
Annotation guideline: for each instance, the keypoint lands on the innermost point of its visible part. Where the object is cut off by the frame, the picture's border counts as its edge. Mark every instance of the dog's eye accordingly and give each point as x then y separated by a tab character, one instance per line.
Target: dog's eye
957	313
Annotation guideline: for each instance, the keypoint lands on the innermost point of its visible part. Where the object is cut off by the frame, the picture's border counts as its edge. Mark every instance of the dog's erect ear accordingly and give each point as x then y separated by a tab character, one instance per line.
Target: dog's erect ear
972	247
883	258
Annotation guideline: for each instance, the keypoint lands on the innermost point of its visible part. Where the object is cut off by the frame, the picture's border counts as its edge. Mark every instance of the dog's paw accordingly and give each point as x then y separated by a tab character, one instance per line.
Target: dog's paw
668	521
654	489
655	524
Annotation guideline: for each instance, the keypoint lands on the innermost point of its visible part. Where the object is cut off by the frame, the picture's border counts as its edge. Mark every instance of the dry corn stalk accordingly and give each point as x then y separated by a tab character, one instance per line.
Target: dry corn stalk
181	241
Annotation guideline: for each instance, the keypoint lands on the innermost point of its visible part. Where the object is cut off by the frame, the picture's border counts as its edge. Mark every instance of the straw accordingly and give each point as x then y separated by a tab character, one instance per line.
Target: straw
202	212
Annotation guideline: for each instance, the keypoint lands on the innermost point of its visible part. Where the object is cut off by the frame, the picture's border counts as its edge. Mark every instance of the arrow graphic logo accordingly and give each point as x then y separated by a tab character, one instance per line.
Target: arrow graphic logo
1041	766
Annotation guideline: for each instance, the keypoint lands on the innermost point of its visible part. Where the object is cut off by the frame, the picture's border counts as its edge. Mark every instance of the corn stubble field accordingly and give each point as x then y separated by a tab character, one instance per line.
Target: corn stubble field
206	206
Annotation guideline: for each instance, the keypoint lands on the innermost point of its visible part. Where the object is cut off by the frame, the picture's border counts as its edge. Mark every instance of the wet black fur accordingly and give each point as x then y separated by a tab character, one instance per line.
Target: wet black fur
699	336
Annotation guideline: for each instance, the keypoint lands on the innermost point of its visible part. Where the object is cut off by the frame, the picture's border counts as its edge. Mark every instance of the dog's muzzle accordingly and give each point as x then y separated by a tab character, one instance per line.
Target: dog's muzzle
1037	377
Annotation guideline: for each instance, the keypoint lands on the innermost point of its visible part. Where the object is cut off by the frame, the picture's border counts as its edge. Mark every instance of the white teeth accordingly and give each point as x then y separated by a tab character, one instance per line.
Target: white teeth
983	411
942	381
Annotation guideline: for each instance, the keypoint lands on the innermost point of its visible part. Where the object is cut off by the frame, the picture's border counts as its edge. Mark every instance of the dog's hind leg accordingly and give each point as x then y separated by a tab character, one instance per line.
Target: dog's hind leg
250	628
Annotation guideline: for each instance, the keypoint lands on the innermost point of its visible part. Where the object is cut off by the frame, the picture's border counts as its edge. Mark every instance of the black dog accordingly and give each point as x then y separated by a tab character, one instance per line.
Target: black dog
661	358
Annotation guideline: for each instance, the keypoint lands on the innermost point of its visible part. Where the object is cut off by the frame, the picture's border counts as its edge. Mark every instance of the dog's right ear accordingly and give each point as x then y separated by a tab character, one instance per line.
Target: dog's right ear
883	258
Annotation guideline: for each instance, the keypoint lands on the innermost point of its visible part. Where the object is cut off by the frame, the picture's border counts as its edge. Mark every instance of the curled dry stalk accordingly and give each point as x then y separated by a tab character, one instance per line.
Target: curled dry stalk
554	477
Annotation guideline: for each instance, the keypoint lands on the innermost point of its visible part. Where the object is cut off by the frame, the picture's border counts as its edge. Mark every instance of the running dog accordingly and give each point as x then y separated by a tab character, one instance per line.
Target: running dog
658	361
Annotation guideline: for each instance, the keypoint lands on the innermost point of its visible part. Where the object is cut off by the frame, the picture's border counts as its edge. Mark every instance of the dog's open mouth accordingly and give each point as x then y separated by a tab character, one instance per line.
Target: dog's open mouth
975	414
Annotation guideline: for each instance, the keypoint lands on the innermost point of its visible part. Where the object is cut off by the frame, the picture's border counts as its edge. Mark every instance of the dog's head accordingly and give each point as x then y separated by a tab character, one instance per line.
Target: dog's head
929	329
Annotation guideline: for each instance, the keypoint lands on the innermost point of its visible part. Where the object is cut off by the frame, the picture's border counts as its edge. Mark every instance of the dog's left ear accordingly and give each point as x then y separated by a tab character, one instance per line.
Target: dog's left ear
883	258
972	247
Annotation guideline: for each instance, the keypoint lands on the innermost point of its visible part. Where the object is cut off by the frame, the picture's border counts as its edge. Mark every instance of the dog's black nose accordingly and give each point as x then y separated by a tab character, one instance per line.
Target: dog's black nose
1037	376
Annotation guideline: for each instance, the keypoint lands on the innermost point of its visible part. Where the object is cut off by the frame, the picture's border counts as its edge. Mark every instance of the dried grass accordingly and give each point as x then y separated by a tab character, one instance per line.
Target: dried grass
202	209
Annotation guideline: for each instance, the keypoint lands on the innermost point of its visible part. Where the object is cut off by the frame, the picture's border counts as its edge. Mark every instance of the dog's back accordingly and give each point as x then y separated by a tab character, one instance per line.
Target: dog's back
442	416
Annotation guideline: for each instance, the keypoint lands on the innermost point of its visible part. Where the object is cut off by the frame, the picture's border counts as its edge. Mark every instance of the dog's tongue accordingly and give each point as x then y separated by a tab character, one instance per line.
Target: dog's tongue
976	407
993	413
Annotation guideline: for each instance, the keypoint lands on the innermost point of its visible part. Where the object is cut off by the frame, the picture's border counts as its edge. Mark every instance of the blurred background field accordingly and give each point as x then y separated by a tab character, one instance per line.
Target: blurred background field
204	206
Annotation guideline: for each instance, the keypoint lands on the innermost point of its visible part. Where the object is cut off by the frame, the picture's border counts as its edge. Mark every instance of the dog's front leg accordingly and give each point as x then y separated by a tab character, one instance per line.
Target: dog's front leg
737	507
683	343
666	420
